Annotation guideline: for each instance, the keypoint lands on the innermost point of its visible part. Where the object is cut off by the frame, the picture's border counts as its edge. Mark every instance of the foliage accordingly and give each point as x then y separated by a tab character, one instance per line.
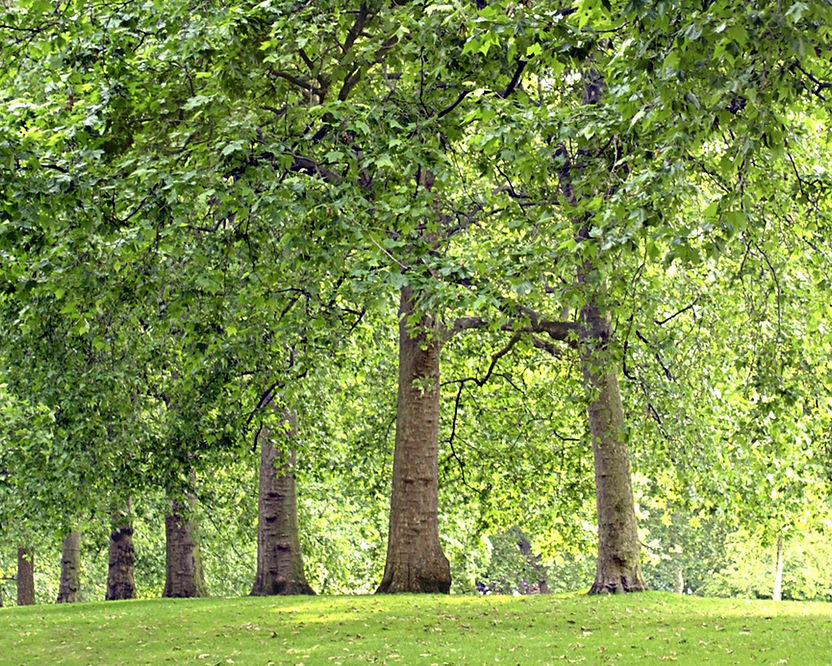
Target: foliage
204	204
748	570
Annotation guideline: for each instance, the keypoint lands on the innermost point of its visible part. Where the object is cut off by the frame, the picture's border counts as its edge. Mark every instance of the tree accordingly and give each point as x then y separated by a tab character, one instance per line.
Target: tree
183	562
415	561
120	560
442	151
279	559
70	586
25	576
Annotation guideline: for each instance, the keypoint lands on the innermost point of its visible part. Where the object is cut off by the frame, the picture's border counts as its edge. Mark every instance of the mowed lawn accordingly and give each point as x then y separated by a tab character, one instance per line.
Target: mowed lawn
645	628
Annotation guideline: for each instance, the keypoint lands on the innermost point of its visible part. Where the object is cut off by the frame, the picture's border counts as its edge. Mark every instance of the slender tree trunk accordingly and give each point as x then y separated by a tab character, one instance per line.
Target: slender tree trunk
183	565
525	547
678	579
279	559
415	561
25	577
69	590
778	571
618	568
120	561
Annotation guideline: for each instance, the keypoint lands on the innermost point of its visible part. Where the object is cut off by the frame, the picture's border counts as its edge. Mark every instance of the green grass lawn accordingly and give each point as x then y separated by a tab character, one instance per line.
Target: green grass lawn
643	628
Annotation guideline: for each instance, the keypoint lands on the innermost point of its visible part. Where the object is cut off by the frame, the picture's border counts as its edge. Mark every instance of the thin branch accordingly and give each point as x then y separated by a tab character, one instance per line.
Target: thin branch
305	165
295	80
656	355
820	86
548	347
444	112
515	80
626	372
676	314
498	355
450	439
265	397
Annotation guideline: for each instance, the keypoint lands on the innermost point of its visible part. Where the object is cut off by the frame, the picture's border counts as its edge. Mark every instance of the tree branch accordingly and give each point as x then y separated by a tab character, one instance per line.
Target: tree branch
515	80
558	330
676	314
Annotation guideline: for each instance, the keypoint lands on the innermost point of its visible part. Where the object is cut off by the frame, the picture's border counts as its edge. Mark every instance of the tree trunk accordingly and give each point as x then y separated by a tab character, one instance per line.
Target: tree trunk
525	547
183	565
25	577
415	561
678	579
617	568
69	590
120	561
279	559
778	571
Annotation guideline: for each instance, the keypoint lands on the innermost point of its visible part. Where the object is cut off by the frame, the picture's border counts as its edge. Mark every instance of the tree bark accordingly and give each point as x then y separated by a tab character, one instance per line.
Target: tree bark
279	559
120	561
617	568
69	590
25	577
777	594
415	561
183	565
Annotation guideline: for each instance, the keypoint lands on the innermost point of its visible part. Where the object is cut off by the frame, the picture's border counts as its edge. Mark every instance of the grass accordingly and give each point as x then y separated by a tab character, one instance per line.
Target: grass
634	629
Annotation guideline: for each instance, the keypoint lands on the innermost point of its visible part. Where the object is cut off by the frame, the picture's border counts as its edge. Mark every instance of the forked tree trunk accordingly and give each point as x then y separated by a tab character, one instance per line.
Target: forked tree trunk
69	590
279	559
120	561
25	577
778	571
415	561
617	568
183	564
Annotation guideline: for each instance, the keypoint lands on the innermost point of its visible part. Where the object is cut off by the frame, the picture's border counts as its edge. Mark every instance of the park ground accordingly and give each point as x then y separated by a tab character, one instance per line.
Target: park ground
651	627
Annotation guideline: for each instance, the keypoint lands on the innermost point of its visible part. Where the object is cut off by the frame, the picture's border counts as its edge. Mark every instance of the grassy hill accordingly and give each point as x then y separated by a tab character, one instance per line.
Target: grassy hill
644	628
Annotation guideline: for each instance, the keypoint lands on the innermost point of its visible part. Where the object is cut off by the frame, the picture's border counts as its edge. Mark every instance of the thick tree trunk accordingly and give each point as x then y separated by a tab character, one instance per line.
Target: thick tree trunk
183	565
415	561
69	590
120	561
617	568
279	559
25	577
778	571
